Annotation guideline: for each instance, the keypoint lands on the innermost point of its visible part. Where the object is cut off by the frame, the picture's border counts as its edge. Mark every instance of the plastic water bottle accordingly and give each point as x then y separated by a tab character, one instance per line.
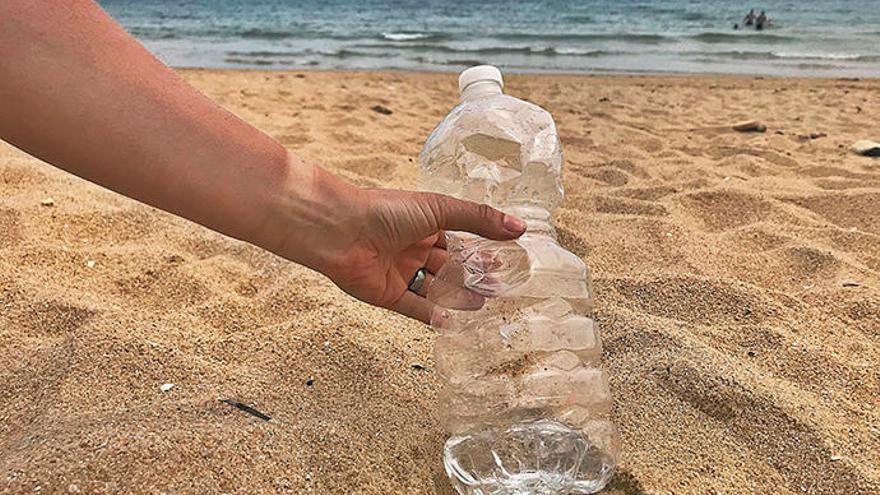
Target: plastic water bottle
523	396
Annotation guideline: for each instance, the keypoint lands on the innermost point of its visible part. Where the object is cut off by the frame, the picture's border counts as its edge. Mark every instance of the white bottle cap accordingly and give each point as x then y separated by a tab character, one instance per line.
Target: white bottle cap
479	73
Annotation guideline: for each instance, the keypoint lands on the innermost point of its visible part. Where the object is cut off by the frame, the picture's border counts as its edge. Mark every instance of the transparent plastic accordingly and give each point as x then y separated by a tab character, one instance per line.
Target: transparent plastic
523	395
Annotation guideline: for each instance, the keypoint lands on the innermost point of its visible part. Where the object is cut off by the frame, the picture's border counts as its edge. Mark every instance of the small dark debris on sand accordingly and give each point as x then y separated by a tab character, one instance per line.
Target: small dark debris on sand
245	408
381	109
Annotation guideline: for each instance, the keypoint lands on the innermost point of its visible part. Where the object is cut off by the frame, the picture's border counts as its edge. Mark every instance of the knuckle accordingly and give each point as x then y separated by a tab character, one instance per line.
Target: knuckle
435	204
428	209
430	201
486	212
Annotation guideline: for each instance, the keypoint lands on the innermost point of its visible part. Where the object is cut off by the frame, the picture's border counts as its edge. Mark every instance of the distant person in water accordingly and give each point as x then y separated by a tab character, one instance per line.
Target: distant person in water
762	21
749	19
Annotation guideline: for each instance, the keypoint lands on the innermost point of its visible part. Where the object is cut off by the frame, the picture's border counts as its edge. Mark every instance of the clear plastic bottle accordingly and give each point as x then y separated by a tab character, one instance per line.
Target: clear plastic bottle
524	398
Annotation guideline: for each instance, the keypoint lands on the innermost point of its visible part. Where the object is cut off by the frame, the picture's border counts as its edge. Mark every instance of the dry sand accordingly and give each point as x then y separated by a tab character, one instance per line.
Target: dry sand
743	359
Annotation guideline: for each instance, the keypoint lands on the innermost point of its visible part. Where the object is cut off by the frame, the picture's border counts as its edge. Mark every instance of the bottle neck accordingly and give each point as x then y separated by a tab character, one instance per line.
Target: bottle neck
480	89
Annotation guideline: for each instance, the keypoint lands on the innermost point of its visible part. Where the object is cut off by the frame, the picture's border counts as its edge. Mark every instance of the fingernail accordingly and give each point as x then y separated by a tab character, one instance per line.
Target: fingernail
513	224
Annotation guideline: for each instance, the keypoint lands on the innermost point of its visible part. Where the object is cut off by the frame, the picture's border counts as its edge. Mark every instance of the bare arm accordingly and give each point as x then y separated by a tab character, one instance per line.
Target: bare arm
80	93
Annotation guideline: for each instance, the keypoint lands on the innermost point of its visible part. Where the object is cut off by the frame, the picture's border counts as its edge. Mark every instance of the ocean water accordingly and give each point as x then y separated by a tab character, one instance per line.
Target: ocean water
809	38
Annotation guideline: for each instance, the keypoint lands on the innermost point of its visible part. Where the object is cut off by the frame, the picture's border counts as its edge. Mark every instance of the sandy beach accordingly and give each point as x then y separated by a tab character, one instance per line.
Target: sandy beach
737	281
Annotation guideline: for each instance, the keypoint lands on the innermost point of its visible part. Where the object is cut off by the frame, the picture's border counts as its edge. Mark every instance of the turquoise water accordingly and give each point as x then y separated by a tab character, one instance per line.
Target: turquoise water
826	38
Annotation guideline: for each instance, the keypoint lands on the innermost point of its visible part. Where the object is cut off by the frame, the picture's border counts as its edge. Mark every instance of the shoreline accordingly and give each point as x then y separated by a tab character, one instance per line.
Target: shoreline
646	74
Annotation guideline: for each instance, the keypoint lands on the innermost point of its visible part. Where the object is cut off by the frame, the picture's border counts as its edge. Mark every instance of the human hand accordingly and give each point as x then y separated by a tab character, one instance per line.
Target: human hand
371	242
188	156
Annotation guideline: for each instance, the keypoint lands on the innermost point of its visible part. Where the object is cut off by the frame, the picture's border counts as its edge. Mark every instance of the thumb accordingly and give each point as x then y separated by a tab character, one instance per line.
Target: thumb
448	213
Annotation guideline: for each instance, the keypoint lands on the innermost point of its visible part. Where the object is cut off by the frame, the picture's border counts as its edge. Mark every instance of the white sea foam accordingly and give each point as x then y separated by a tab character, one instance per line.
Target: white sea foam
817	56
404	36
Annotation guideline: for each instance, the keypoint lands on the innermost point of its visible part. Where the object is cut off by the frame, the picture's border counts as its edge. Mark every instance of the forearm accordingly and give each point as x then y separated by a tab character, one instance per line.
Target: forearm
80	93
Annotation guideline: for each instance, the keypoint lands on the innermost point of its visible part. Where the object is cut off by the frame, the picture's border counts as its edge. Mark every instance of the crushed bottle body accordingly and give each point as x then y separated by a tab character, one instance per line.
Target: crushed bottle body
523	394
